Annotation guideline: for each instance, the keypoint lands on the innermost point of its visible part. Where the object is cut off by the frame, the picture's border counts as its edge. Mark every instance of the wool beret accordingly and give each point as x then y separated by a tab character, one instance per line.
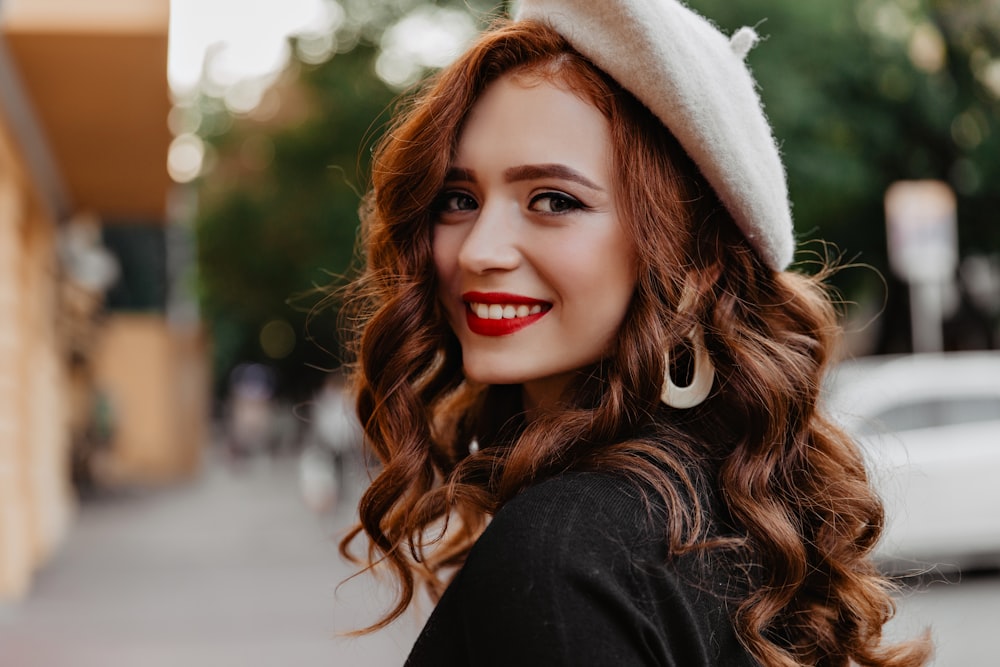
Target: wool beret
696	81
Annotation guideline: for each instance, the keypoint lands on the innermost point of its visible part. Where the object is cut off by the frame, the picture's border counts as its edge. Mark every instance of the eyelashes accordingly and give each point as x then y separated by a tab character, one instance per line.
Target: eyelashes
552	202
555	203
454	201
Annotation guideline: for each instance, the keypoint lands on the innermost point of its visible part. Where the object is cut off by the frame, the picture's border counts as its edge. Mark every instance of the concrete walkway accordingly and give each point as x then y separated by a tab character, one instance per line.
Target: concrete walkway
230	569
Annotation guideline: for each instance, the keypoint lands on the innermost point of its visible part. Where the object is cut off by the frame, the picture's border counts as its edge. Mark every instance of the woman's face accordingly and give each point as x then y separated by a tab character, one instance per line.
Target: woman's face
536	271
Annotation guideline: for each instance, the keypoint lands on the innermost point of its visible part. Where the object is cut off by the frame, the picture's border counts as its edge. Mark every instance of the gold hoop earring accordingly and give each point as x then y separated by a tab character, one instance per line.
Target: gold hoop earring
701	380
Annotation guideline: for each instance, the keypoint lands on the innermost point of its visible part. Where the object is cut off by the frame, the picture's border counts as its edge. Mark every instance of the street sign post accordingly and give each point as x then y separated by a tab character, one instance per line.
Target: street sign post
922	232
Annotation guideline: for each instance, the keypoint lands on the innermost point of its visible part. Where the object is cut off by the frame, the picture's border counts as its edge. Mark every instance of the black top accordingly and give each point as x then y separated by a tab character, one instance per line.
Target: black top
573	572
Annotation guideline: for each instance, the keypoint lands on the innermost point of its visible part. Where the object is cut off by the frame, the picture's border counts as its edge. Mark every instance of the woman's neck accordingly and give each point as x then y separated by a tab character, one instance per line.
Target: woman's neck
543	395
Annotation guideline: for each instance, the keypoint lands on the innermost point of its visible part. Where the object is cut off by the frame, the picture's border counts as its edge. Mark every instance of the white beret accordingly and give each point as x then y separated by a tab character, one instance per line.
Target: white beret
695	80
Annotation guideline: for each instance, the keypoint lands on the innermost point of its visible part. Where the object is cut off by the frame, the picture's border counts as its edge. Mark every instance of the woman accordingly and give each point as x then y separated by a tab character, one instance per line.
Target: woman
591	383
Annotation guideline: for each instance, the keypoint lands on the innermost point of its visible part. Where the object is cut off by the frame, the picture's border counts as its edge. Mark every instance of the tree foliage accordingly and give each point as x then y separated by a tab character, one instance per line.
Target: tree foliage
860	96
279	216
278	209
868	92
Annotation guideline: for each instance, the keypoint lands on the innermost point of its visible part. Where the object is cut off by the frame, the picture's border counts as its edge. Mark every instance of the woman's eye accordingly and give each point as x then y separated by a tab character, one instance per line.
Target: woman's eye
555	202
451	202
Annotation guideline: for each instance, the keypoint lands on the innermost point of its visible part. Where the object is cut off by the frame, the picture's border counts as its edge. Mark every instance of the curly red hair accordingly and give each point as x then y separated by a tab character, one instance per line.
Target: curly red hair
756	476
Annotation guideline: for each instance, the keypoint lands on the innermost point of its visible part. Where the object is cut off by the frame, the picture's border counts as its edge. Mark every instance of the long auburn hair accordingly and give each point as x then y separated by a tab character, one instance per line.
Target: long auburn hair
800	514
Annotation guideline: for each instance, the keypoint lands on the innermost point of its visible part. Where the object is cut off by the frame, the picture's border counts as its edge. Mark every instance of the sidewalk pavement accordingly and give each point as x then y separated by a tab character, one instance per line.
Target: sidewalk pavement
228	569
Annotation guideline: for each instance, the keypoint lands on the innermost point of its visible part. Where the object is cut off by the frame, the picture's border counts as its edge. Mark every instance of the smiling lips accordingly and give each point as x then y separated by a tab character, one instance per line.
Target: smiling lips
500	314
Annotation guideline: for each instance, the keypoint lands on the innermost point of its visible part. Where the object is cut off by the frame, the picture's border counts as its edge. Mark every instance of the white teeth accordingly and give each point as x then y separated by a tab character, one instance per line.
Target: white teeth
496	311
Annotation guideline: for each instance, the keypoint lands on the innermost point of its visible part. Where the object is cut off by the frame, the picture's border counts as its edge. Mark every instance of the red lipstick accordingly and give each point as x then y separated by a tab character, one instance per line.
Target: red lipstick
501	327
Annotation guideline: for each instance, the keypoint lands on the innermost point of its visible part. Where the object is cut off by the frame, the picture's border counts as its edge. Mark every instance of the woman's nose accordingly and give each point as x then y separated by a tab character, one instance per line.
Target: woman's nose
491	244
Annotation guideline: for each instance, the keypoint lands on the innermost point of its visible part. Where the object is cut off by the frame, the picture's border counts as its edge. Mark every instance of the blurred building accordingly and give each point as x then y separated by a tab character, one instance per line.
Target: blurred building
101	380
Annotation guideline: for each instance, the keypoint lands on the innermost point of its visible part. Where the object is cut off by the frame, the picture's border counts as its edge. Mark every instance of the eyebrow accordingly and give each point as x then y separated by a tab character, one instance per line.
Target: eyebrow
529	172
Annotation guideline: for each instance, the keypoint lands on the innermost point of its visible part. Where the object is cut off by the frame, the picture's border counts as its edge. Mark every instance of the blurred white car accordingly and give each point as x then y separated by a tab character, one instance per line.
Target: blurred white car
929	425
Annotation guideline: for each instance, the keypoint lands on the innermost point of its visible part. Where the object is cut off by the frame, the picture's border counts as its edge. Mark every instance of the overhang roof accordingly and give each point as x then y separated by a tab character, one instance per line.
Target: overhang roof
96	76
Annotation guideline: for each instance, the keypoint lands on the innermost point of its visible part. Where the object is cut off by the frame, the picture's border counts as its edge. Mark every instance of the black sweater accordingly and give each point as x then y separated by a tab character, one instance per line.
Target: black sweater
573	572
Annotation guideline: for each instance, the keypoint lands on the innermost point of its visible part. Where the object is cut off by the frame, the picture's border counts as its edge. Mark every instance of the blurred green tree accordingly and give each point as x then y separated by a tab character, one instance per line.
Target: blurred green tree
868	92
278	216
278	199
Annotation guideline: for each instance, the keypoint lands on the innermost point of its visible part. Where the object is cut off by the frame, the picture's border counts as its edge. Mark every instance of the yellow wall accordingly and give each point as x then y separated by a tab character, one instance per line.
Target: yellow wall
76	16
156	379
155	375
94	73
36	500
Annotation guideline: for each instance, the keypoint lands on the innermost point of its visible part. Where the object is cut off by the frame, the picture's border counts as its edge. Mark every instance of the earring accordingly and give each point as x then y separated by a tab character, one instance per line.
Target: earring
701	380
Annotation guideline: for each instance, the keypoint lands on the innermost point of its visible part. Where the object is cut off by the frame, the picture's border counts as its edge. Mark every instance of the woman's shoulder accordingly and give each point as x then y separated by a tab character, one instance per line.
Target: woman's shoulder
587	487
568	525
574	509
576	570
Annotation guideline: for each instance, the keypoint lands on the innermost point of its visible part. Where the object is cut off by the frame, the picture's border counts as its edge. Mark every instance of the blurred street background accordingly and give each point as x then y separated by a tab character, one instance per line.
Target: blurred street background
230	568
179	186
